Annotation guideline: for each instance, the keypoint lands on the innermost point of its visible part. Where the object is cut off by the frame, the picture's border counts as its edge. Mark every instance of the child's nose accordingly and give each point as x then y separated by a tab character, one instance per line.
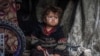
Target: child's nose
53	18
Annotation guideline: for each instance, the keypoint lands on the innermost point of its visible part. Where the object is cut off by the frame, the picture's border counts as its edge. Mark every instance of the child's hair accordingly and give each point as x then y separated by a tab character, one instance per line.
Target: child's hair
51	8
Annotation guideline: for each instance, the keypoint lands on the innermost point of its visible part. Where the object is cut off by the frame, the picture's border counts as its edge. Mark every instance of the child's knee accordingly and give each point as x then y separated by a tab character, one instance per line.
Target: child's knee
57	55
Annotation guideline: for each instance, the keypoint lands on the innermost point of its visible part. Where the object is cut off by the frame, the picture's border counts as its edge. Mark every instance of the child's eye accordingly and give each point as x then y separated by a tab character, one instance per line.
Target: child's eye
50	16
56	17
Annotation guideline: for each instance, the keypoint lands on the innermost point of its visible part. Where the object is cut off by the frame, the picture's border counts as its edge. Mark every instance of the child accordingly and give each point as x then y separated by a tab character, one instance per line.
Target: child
48	33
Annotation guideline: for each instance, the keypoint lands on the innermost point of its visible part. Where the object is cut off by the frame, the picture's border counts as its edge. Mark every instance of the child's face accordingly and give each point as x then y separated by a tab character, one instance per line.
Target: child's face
52	19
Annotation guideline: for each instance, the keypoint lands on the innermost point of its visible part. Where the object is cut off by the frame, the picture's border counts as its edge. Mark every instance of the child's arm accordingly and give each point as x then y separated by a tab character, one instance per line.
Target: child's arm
61	44
61	37
62	40
34	36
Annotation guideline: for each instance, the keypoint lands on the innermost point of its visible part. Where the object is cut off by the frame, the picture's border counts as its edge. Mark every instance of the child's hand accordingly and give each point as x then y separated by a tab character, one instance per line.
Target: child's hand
62	40
39	48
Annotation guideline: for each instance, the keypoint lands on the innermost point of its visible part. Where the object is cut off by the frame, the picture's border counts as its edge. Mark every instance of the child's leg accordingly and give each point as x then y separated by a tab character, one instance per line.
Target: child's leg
57	55
58	52
54	52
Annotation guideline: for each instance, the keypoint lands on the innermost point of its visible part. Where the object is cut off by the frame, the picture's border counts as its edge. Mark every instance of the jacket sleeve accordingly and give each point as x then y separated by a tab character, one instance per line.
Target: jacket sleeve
35	42
35	33
62	40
